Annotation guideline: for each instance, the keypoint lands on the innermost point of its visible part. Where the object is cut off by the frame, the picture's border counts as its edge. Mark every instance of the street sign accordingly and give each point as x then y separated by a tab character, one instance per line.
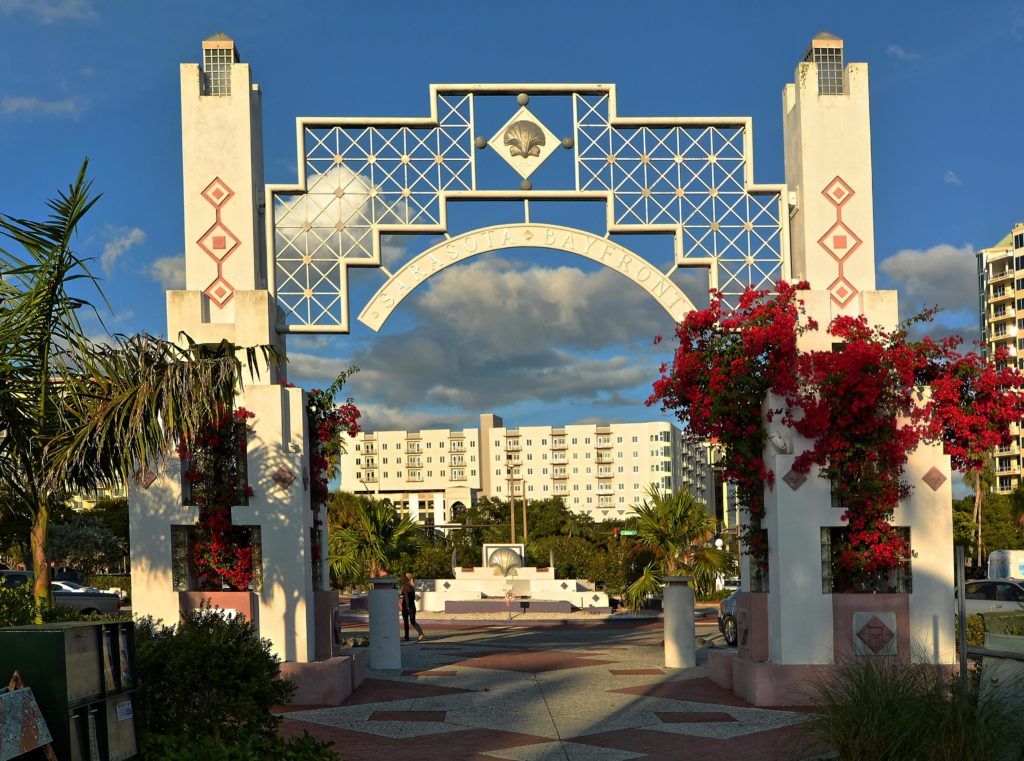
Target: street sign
628	532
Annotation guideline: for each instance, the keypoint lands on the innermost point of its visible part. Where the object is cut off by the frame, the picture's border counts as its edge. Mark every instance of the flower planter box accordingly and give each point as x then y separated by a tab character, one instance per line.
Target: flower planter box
231	603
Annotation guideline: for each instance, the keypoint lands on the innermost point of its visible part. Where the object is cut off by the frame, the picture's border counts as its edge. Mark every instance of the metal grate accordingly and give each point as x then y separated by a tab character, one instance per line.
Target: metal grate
217	70
830	69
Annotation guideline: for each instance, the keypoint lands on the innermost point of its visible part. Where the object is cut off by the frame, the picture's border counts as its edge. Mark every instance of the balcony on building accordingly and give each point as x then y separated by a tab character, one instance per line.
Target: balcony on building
559	473
558	443
415	475
604	442
457	443
604	458
458	459
458	475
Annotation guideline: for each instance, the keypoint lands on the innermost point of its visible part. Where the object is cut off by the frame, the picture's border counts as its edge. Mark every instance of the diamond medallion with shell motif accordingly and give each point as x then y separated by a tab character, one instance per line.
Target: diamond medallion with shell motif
524	142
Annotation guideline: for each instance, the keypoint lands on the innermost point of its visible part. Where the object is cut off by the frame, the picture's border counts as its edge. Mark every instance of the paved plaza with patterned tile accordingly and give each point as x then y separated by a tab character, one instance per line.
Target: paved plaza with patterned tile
540	692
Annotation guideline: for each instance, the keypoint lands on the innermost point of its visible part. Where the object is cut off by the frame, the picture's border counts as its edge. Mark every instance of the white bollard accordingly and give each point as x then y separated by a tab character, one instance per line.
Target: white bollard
385	632
677	609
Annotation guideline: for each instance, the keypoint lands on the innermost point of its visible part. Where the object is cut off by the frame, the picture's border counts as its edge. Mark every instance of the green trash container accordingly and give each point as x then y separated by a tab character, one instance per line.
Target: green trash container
83	677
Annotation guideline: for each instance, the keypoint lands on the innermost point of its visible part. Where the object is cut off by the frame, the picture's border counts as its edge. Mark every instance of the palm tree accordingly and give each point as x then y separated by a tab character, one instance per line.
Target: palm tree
371	543
678	530
75	414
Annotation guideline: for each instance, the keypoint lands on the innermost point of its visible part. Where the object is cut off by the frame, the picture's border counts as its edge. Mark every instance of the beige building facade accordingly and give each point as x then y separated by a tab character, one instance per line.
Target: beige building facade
1001	313
597	470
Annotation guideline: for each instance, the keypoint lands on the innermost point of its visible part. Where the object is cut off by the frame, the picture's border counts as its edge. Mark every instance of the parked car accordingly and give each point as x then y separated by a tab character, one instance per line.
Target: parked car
727	619
994	596
84	601
71	586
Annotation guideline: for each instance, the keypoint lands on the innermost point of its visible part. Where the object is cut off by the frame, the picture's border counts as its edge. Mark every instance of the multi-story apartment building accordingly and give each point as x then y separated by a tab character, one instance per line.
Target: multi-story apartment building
600	470
1001	309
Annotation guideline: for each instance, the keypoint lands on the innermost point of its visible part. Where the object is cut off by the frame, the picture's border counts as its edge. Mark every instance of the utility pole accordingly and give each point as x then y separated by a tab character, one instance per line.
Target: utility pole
526	536
511	496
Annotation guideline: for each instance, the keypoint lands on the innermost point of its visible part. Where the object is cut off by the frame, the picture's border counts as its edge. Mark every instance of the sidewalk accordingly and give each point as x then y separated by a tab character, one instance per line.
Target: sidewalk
544	691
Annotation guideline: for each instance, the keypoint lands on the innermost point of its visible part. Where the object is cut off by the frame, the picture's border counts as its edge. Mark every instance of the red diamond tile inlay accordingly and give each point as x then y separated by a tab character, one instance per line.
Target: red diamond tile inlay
875	634
842	291
220	291
217	192
840	241
218	241
934	478
838	192
794	480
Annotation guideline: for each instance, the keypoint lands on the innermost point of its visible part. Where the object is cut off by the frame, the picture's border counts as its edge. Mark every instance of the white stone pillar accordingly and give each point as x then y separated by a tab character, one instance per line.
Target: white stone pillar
439	510
677	606
385	633
414	507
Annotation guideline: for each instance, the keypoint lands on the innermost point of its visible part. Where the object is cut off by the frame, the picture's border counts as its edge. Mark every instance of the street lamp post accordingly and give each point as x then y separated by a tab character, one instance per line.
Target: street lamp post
511	497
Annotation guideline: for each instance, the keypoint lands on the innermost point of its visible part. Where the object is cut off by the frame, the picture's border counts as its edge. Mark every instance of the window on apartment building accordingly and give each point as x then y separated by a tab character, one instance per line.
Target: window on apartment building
574	441
497	443
636	468
544	471
999	310
440	445
543	442
384	460
590	500
1005	483
1018	240
497	488
529	456
529	487
529	471
575	487
575	500
544	456
358	461
398	460
442	474
636	487
385	474
440	459
575	470
357	447
430	474
545	487
472	472
529	443
472	444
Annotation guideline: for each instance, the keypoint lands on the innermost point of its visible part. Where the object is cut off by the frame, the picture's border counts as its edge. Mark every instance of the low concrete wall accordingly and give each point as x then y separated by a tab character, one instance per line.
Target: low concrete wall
515	606
321	683
360	658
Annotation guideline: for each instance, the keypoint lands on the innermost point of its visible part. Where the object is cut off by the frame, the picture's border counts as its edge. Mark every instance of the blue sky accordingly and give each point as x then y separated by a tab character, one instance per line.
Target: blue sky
99	78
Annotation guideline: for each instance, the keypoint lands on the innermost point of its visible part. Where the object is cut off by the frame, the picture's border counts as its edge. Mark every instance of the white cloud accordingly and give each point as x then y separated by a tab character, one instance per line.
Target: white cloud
50	11
900	53
169	271
952	178
942	275
379	417
119	241
314	370
12	105
491	333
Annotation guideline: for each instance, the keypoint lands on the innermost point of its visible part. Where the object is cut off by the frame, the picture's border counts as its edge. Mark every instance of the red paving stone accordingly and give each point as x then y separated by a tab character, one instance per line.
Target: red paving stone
636	672
408	716
385	690
693	717
451	746
701	690
783	744
532	661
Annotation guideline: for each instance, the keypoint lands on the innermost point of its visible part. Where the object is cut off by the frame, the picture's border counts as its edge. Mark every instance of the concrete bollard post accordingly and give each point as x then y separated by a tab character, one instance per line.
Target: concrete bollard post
677	609
385	633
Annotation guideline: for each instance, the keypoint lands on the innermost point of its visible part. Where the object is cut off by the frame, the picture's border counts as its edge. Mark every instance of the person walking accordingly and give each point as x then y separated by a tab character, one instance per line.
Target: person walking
409	606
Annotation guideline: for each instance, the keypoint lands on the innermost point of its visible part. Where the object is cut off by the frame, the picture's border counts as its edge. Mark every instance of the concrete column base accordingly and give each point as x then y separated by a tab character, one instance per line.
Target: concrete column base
320	683
766	684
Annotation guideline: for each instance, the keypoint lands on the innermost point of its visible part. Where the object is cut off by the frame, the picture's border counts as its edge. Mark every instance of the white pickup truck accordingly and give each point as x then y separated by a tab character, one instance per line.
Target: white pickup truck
83	599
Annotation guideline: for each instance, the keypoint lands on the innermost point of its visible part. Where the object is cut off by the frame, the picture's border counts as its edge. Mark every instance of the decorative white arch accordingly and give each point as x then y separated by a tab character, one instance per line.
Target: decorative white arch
524	235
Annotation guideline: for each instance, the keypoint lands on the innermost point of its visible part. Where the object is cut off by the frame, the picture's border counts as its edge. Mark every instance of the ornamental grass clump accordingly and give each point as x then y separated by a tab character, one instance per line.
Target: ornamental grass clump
876	709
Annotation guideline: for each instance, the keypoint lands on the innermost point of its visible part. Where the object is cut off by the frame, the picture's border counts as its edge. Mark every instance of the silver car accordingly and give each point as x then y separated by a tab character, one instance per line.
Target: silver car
994	596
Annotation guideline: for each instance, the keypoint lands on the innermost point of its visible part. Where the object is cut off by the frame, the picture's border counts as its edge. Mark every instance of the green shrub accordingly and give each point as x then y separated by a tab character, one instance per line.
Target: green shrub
17	605
251	747
61	613
716	595
879	710
208	676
